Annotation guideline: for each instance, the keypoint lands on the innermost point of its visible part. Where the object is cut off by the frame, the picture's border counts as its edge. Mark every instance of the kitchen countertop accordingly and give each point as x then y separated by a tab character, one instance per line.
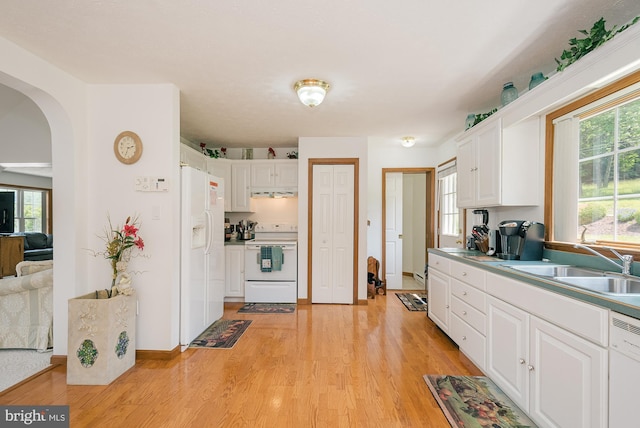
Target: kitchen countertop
628	305
234	242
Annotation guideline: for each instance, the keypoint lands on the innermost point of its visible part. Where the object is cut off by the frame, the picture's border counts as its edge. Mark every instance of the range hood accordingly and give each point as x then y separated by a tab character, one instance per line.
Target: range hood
275	194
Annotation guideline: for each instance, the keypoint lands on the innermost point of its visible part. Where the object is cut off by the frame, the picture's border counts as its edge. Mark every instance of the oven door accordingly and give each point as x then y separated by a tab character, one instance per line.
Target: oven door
253	263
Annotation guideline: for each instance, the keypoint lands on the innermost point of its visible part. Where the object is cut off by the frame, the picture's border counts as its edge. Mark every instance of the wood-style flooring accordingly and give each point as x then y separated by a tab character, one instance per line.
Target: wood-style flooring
323	366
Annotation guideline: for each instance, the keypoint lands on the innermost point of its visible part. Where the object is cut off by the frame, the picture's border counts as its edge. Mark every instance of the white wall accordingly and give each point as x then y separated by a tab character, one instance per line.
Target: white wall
383	155
62	99
152	112
319	147
25	180
24	130
87	182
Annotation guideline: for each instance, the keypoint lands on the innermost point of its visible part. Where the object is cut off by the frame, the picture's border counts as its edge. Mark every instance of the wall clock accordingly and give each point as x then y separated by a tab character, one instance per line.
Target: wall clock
127	147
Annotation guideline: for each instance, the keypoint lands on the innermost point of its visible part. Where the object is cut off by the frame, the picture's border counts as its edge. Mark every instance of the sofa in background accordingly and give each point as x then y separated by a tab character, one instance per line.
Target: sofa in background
26	307
37	246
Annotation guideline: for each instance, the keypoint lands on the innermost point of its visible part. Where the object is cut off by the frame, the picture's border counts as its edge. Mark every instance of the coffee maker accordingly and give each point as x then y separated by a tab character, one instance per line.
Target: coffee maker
521	240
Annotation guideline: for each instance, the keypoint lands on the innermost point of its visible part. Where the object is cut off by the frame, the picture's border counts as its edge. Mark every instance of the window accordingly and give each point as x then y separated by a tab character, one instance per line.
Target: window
30	209
609	174
449	213
595	172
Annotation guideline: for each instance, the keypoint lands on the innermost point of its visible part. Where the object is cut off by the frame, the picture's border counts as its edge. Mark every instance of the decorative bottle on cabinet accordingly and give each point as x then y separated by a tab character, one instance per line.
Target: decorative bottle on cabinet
536	79
509	93
470	121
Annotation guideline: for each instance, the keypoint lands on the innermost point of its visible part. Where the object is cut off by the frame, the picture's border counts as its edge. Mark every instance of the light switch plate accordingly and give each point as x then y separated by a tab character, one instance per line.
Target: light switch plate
151	184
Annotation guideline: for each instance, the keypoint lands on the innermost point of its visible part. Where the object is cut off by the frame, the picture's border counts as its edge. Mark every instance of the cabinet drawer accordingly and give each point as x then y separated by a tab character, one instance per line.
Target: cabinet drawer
439	263
471	343
469	295
469	274
583	319
469	314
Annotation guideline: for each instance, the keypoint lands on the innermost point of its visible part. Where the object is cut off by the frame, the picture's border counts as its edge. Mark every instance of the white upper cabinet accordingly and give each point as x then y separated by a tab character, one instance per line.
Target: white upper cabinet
274	174
192	157
499	166
240	187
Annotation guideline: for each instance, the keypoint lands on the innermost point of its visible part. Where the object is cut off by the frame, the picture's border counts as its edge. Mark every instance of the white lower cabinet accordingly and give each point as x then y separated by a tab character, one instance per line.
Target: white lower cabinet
557	377
438	299
234	271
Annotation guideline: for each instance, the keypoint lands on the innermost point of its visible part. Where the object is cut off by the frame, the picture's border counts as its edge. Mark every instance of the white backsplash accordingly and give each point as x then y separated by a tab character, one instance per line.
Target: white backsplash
269	210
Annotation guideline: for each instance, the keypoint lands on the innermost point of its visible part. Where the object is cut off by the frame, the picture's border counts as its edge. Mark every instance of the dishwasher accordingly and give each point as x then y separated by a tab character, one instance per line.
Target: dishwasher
624	370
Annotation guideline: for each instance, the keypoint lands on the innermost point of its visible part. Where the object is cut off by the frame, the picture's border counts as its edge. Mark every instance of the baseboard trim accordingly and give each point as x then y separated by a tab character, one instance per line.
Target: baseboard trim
141	354
58	360
304	301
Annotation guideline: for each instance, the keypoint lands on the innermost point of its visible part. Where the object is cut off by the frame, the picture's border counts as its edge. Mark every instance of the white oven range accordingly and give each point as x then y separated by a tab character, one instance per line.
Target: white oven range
271	264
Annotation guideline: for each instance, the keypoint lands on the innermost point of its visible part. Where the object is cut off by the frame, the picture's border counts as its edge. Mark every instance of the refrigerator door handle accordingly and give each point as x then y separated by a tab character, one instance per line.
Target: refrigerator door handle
209	231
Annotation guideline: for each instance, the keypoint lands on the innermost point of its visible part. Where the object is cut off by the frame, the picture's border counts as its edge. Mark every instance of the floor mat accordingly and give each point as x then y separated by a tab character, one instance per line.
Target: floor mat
413	301
475	402
268	308
221	334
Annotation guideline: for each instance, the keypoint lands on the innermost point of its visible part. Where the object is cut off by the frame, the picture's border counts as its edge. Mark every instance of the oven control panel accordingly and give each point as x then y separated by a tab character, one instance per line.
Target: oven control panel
276	227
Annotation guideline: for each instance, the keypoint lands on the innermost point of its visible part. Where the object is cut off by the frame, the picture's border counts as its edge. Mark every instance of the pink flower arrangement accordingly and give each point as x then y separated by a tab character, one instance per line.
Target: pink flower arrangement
120	242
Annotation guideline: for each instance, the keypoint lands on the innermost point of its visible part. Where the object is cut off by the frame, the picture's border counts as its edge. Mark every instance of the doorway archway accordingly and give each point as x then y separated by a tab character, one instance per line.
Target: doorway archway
67	189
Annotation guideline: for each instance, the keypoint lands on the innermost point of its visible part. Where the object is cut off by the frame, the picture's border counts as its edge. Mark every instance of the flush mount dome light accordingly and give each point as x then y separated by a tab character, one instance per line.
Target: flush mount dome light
408	141
311	92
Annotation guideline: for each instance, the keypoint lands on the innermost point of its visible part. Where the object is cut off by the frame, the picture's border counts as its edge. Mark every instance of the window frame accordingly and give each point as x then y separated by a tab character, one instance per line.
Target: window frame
550	242
47	221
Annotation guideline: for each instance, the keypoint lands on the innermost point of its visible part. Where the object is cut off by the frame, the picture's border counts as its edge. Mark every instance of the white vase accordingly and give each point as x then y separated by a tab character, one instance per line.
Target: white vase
102	339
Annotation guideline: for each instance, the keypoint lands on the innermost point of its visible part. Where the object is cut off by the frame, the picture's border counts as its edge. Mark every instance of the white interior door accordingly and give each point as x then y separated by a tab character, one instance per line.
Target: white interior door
332	234
393	230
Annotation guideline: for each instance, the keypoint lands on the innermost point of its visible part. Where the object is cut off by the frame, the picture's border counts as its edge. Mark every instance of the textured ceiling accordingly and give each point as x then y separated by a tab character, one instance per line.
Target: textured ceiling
413	67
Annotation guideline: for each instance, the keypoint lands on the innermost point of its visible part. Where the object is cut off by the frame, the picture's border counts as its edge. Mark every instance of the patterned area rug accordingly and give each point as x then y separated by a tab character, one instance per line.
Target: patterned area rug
413	301
475	402
221	334
268	308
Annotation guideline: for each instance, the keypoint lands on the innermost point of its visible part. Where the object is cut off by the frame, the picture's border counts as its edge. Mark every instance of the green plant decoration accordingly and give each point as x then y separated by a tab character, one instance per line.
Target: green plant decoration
594	38
482	116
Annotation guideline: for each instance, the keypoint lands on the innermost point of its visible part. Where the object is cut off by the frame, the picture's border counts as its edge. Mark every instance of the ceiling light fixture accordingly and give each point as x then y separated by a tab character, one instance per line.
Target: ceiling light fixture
408	141
311	92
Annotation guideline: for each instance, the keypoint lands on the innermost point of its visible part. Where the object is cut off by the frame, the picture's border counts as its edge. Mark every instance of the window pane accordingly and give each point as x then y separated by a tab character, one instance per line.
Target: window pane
629	128
629	173
596	177
597	134
627	227
598	218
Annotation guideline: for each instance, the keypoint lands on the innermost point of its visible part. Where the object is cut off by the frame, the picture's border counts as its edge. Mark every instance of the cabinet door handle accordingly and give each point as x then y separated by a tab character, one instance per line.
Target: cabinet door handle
464	293
464	313
464	274
464	337
521	361
530	368
447	306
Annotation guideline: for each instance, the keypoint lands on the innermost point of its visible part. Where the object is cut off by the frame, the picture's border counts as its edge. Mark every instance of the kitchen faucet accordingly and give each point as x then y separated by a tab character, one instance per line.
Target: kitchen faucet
626	260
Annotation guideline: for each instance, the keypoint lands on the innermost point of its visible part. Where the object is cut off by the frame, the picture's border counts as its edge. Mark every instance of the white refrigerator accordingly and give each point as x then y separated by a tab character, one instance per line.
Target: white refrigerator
202	252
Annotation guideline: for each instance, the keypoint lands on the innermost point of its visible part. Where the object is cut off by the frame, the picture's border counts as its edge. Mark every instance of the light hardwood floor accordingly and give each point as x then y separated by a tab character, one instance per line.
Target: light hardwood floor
324	366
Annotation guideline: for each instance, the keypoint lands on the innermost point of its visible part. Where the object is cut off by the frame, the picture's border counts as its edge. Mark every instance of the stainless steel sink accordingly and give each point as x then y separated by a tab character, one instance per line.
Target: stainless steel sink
558	270
614	285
